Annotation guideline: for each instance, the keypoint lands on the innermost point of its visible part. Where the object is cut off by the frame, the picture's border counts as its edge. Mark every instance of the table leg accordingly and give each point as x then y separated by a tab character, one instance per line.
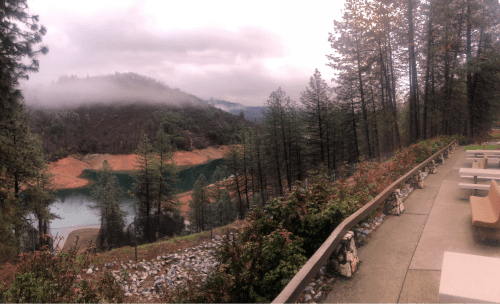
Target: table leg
475	182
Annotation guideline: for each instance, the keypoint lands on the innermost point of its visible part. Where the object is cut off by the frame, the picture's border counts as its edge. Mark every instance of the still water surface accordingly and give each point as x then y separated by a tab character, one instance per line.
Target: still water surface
72	205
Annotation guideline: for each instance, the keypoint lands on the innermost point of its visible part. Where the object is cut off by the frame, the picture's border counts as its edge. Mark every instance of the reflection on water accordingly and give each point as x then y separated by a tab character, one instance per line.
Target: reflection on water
72	204
74	211
75	214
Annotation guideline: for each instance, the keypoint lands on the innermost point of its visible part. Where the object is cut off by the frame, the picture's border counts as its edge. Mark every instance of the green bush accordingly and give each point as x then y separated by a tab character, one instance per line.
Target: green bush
180	142
53	278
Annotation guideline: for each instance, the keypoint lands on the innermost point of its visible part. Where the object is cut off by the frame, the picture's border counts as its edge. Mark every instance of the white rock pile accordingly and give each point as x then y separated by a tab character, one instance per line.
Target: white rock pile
148	279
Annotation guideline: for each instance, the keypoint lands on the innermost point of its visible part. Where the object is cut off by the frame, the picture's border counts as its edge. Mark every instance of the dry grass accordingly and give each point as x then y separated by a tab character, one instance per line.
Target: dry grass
88	237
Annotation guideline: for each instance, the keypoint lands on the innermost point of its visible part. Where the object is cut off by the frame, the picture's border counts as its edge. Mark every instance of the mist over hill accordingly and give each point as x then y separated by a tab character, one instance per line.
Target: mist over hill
119	88
107	114
250	113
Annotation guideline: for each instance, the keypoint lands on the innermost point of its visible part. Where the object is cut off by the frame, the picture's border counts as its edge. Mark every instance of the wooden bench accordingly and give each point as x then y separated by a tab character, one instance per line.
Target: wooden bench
486	210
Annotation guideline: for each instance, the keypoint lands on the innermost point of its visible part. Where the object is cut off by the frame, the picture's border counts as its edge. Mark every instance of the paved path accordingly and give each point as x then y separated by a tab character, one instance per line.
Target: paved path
402	261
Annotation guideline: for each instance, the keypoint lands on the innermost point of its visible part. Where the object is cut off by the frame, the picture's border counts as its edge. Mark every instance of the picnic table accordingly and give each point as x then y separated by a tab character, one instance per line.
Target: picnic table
480	153
477	174
467	278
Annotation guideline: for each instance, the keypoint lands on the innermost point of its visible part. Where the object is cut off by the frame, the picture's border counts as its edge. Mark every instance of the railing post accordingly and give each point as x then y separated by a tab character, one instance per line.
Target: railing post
432	167
344	258
393	204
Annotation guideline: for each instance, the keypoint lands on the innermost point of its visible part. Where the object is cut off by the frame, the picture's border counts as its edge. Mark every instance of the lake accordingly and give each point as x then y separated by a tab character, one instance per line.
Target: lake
72	204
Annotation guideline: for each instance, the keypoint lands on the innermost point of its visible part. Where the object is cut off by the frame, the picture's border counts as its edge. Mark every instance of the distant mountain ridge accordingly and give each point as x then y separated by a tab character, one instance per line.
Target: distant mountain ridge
251	113
107	114
118	88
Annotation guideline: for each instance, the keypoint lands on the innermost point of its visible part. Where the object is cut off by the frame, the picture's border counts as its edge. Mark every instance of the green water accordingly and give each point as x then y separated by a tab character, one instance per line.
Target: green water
185	180
72	204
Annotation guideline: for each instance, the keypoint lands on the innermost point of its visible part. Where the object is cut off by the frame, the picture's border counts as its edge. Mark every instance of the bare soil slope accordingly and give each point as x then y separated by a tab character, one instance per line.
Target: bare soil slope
67	170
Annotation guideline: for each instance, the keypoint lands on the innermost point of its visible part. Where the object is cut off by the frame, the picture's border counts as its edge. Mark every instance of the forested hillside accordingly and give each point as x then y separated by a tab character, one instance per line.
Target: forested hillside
114	126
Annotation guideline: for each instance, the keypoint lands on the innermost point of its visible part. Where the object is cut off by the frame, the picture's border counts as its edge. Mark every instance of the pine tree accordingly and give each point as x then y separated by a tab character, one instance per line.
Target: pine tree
145	188
20	36
233	160
200	205
108	195
315	101
167	172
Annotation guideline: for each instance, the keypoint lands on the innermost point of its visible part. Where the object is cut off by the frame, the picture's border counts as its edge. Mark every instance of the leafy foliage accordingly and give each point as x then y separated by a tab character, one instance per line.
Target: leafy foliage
53	278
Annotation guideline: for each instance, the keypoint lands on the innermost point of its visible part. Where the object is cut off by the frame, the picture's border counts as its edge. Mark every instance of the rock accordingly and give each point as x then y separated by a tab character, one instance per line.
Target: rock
365	225
318	296
128	294
89	271
322	271
366	232
345	270
308	289
307	298
158	258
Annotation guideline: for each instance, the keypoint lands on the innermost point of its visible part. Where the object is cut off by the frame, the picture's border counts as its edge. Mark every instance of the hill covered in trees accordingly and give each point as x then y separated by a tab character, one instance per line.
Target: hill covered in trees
96	121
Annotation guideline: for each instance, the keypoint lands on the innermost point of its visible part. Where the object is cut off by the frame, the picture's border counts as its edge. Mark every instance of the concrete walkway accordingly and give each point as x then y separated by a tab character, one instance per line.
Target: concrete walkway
402	261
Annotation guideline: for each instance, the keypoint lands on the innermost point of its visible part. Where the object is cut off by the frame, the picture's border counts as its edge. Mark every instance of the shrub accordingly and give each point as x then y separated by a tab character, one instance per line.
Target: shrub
199	143
180	142
46	277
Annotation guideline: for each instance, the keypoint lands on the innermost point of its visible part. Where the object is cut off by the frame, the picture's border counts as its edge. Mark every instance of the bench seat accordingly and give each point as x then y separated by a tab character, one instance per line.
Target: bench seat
474	186
480	173
486	210
481	156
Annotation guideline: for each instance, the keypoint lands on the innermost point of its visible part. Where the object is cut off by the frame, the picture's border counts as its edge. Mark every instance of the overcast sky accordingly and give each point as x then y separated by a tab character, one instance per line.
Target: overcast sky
239	51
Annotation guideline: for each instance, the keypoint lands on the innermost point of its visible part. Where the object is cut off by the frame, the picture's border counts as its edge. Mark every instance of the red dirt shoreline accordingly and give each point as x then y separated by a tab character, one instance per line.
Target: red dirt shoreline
67	170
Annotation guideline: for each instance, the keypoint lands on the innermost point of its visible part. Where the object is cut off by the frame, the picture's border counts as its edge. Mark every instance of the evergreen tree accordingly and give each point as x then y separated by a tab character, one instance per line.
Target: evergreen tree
200	205
20	36
233	160
167	173
145	188
108	194
315	101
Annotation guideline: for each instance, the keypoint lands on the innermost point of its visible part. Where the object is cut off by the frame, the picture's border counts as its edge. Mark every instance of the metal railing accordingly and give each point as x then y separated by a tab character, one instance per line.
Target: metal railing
294	289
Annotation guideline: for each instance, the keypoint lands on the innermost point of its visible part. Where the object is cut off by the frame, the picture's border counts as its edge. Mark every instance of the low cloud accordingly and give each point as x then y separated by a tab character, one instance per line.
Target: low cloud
117	88
205	61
